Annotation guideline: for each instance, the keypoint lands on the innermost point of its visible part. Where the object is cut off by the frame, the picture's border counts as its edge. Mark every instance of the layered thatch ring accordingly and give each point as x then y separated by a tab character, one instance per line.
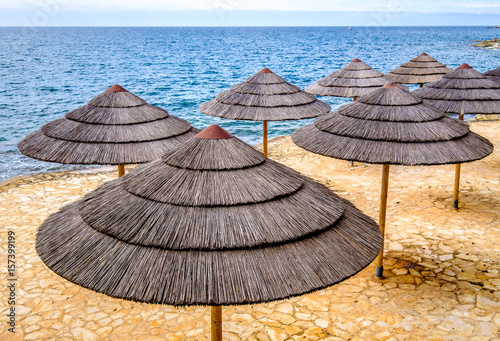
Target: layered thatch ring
265	96
197	230
419	70
352	80
116	127
463	90
392	126
494	74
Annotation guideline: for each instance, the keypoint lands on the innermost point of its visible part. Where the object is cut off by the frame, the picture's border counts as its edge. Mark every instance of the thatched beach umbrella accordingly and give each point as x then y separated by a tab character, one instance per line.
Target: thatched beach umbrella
265	96
494	74
419	70
462	91
211	223
352	80
392	127
114	128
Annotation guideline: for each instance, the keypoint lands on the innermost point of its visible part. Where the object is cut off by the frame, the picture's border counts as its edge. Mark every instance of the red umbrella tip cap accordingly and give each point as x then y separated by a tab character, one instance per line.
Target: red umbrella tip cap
465	66
116	88
213	132
424	54
265	70
355	60
390	85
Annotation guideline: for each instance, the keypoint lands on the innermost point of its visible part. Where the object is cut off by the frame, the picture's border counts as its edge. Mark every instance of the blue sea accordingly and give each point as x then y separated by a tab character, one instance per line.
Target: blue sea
47	72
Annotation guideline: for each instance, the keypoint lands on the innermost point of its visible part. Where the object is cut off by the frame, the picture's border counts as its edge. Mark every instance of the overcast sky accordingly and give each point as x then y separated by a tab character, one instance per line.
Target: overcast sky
248	12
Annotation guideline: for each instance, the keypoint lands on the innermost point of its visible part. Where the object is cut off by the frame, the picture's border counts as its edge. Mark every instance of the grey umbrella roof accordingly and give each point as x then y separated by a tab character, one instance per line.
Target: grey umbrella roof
265	96
463	89
392	126
421	69
494	74
212	222
352	80
115	127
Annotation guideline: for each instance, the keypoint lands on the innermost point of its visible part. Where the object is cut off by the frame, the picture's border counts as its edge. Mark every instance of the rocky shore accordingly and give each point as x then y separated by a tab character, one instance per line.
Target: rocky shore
489	44
441	279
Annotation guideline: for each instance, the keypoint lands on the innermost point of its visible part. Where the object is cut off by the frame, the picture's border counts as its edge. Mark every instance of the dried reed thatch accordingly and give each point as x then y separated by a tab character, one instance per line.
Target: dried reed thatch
211	223
463	90
265	96
114	128
352	80
494	74
419	70
392	126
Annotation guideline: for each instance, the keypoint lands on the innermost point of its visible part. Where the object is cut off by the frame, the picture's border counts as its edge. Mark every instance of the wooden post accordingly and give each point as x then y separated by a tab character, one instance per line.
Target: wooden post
216	334
264	138
121	170
456	188
354	98
458	167
421	85
379	270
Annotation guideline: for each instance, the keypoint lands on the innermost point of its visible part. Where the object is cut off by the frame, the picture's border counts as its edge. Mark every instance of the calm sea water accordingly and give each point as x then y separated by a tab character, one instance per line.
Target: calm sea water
47	72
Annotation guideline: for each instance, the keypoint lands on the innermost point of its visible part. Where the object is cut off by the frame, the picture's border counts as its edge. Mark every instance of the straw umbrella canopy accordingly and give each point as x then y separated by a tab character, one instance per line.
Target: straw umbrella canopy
419	70
114	128
211	223
462	91
392	127
494	74
352	80
265	96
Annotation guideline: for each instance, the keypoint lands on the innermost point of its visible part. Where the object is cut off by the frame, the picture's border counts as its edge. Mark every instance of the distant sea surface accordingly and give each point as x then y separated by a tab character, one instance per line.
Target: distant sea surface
47	72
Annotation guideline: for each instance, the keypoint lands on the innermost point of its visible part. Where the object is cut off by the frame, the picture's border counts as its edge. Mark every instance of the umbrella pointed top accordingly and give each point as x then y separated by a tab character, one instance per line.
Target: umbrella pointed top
116	88
213	132
265	70
390	85
424	54
464	66
356	60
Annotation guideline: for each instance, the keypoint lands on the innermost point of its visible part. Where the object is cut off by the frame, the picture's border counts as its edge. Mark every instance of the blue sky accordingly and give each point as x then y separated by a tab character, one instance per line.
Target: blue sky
248	12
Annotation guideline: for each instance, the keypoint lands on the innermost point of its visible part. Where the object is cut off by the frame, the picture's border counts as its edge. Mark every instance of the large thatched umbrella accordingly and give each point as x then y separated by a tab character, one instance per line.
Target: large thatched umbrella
494	74
352	80
211	223
462	91
419	70
392	127
114	128
265	96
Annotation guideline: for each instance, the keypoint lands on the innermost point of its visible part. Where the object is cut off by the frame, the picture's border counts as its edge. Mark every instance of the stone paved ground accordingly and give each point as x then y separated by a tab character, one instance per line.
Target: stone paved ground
441	282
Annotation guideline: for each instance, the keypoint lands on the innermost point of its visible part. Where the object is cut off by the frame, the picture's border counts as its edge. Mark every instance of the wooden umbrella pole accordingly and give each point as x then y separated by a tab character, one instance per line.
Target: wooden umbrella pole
216	334
121	170
354	98
458	167
421	85
379	270
264	138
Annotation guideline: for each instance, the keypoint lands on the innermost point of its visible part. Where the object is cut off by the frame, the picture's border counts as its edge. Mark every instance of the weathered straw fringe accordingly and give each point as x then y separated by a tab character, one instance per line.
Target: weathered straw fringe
185	187
421	69
465	89
38	146
113	128
493	75
163	232
352	80
468	148
187	227
380	128
264	97
197	277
